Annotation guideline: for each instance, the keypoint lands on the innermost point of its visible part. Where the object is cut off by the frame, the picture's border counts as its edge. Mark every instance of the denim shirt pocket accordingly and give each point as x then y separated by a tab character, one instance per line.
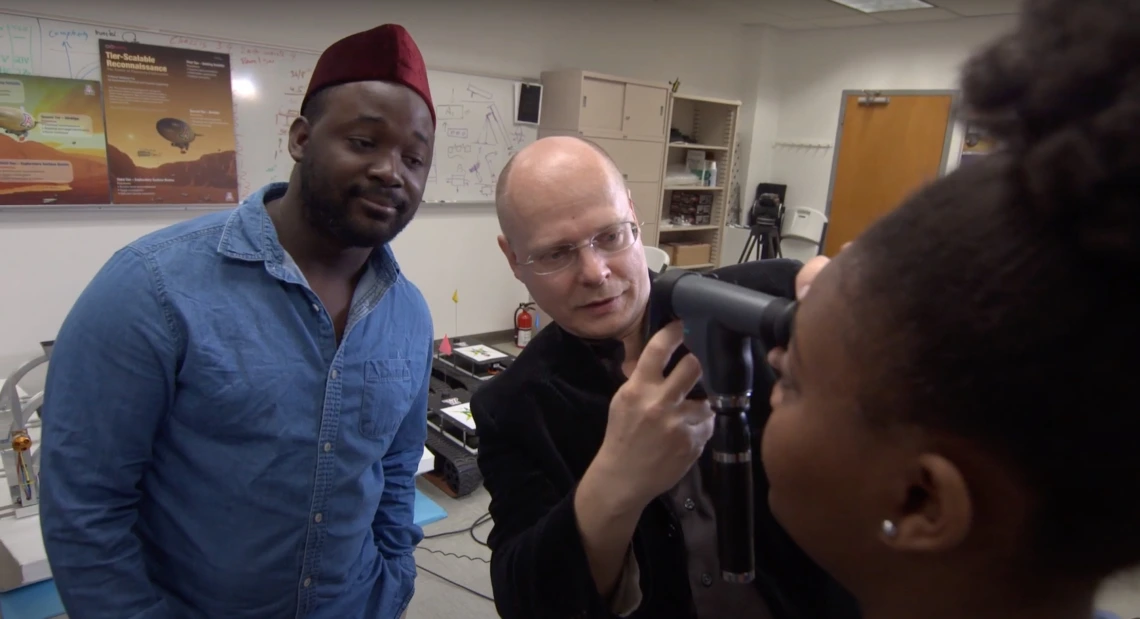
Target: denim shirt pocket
387	396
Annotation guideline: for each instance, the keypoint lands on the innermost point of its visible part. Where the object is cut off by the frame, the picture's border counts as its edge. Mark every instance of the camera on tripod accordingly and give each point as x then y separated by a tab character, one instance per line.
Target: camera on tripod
766	211
765	219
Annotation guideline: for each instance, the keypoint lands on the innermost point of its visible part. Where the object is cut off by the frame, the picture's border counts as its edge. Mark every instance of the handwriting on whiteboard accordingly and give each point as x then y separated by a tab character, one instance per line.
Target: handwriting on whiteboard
75	34
73	47
16	49
263	56
202	44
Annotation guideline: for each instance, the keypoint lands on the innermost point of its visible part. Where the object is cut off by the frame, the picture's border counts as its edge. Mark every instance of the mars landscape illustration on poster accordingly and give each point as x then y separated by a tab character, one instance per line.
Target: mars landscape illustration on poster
52	142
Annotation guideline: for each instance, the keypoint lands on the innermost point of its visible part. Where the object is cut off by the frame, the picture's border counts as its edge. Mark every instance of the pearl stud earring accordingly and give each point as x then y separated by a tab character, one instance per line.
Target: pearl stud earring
889	528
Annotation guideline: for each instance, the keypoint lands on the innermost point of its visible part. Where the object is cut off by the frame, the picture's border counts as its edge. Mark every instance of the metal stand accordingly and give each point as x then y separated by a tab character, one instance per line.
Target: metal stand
764	242
21	465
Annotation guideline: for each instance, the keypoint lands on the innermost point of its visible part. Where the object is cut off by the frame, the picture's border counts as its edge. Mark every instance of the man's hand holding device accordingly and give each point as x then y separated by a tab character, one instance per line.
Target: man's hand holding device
654	435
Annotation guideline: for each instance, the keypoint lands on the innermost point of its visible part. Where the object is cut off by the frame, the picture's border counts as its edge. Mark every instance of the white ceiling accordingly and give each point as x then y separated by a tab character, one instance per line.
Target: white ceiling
815	14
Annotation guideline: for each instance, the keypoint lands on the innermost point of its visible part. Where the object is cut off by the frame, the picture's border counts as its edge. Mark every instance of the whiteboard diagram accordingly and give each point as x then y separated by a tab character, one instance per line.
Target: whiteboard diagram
475	136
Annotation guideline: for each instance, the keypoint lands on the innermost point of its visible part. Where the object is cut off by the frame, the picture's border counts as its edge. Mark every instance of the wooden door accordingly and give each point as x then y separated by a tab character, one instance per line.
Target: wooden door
645	112
886	151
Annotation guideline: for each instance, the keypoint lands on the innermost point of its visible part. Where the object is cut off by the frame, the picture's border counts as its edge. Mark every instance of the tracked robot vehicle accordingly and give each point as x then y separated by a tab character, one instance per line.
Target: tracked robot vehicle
451	437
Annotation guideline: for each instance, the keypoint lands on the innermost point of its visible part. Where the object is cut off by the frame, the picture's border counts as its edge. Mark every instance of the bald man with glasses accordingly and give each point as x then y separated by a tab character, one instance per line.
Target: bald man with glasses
595	462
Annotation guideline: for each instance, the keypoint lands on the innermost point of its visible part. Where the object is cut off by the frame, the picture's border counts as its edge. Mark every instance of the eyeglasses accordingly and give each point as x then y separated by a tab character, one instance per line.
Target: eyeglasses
612	240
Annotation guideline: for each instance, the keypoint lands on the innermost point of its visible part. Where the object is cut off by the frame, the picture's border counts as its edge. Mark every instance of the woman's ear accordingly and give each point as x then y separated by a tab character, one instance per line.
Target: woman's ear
935	513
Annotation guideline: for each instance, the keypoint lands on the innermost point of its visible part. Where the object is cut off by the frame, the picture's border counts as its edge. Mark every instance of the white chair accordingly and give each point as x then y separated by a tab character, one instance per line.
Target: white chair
656	258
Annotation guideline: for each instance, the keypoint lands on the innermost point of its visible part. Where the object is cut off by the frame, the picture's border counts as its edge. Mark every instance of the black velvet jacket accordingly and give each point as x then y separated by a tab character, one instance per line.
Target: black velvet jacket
540	424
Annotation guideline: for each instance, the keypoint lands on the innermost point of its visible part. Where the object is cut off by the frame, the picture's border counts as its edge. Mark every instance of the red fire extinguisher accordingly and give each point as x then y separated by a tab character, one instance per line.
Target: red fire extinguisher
524	324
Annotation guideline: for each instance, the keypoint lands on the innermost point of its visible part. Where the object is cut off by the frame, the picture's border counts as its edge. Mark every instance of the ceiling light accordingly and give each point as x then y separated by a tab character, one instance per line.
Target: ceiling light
878	6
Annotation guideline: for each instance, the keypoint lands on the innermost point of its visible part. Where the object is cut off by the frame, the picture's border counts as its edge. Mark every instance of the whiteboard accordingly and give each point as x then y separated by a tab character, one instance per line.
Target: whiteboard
475	132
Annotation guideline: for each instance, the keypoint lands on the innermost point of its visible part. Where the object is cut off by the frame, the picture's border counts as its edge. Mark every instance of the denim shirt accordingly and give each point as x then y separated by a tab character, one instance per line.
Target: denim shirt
208	448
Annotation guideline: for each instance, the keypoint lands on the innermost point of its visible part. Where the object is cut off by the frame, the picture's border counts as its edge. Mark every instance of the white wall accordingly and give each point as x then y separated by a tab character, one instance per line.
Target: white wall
814	67
47	259
762	55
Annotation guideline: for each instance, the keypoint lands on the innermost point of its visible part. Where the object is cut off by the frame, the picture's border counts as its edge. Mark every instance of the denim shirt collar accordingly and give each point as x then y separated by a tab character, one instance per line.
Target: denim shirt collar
249	235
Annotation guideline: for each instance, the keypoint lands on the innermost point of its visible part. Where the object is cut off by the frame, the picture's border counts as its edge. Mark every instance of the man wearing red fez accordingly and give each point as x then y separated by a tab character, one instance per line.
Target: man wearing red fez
235	407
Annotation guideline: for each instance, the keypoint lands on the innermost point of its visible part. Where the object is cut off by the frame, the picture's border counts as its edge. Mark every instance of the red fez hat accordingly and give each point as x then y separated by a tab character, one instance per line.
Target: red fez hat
386	53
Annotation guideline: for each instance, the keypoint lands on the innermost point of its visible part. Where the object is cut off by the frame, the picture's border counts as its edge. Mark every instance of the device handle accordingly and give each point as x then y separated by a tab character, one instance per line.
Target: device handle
732	479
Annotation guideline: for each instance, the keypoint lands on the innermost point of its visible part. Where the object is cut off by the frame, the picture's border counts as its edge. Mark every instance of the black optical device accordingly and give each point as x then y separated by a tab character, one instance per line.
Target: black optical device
721	320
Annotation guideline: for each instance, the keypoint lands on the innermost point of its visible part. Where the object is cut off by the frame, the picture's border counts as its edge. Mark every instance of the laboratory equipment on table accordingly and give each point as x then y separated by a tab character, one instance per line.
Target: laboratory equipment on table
452	435
23	559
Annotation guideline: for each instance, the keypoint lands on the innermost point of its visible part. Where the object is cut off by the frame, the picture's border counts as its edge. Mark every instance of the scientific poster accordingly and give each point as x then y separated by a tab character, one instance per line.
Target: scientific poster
170	125
52	144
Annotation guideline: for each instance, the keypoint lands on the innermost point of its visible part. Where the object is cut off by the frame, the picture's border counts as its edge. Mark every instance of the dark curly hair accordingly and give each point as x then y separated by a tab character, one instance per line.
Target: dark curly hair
1003	298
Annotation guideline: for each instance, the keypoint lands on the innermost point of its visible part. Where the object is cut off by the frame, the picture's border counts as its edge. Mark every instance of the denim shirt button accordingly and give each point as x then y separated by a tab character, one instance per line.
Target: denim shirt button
366	427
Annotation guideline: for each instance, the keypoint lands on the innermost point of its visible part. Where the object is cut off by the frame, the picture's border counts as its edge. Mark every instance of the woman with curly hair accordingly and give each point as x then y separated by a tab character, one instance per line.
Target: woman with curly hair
956	430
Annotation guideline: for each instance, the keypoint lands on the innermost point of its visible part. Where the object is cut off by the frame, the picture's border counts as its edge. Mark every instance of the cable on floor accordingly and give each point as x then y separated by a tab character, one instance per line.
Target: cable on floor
481	520
453	555
455	584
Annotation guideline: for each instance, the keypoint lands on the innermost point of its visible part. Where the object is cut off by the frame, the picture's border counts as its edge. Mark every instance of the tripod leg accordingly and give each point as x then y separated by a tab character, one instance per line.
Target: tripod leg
747	250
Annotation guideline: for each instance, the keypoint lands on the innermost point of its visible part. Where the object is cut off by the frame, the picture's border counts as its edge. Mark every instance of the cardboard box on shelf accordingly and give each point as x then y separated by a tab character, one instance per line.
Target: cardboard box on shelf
682	254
